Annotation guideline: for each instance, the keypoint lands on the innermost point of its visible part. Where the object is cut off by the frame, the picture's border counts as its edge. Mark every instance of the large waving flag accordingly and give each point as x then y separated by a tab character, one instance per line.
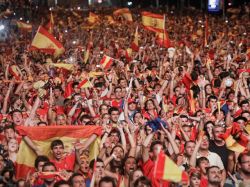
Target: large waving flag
153	22
24	26
166	169
45	42
135	43
106	62
125	13
42	138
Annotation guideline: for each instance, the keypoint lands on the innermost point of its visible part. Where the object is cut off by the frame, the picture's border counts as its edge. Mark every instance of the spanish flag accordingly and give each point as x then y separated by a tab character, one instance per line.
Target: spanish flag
128	54
86	54
235	139
45	42
153	22
13	70
106	62
42	138
125	13
110	20
162	39
50	25
84	84
24	26
63	66
95	73
135	43
93	18
166	169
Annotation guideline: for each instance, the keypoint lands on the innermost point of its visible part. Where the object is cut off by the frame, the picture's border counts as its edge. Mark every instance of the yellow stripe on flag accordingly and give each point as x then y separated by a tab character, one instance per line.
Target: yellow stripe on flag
233	145
174	173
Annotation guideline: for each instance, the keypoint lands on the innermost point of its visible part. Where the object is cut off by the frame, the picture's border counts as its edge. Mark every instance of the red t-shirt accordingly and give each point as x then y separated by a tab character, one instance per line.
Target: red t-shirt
67	163
148	171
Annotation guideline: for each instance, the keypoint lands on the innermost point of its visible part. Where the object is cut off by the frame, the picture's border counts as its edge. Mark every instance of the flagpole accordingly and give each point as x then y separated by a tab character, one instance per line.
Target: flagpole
164	17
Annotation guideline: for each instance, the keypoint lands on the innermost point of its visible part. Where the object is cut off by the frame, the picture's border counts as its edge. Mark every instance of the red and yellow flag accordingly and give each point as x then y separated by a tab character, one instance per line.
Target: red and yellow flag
50	25
166	169
135	43
125	13
13	70
153	22
235	139
128	54
93	18
68	134
110	20
162	39
106	62
45	42
84	84
24	26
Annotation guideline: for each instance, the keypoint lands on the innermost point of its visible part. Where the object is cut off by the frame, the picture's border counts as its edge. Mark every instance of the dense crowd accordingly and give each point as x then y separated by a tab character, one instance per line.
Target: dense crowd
185	100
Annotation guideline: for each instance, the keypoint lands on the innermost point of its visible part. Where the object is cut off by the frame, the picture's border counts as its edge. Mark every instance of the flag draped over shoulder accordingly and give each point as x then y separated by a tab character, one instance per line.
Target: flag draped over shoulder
42	138
166	169
125	13
24	26
45	42
153	22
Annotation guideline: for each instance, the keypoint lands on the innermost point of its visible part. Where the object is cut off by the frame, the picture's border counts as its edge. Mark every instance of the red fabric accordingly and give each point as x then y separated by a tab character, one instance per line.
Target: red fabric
67	163
148	171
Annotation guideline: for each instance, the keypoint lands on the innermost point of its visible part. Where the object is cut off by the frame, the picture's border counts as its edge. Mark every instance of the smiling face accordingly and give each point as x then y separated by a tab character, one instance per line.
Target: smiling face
57	152
130	165
17	118
12	145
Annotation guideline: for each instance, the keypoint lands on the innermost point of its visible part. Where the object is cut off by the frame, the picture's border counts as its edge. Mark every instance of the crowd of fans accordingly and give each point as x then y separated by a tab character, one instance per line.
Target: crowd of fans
180	100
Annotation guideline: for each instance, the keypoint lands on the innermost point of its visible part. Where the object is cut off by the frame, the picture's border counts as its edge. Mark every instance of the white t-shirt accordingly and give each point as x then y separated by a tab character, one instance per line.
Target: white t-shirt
214	159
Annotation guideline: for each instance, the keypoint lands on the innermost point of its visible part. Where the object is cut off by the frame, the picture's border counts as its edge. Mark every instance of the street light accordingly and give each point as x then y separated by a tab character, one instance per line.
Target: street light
2	27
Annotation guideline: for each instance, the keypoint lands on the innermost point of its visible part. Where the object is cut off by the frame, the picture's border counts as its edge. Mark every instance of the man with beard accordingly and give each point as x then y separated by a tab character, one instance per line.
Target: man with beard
242	177
48	181
214	176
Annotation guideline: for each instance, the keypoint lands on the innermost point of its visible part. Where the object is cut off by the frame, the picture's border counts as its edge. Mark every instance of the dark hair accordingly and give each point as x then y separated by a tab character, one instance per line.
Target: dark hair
92	162
49	164
41	123
155	143
144	180
73	176
61	182
199	160
107	180
243	102
56	143
242	155
58	88
113	109
16	111
211	167
41	158
9	127
187	142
